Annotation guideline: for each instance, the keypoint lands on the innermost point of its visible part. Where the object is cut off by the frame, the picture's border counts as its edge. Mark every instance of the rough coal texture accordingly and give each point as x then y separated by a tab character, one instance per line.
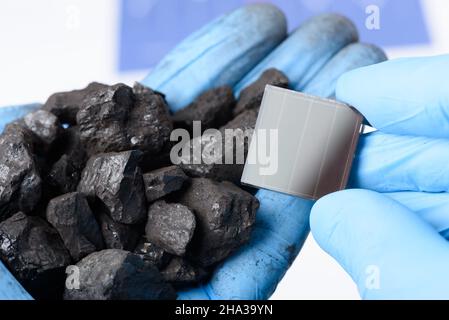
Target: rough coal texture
152	254
170	226
116	180
20	181
149	123
65	105
35	254
118	118
213	167
179	272
44	125
213	108
160	182
103	117
71	216
225	215
251	96
118	235
65	173
114	274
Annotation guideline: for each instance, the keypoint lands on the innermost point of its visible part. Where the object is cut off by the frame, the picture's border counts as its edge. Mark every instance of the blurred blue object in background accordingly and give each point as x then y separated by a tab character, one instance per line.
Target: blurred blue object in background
143	42
11	113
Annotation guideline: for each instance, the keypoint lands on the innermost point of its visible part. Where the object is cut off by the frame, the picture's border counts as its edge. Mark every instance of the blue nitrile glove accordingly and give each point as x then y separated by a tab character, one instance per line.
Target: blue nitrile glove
392	240
235	50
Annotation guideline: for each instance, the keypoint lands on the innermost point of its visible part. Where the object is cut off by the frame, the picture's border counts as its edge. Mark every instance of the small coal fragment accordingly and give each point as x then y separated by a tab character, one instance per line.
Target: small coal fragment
163	181
245	120
65	173
151	253
234	148
213	108
179	272
65	105
225	215
44	125
251	96
35	254
170	226
149	123
20	182
118	118
114	274
71	216
118	235
116	180
103	117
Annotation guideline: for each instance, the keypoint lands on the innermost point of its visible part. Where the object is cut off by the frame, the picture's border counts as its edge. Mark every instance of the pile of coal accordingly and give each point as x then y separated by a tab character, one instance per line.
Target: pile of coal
91	206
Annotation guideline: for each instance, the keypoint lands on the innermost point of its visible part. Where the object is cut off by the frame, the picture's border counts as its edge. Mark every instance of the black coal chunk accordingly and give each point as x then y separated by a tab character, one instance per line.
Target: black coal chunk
179	272
234	146
35	254
116	118
116	180
118	235
160	182
114	274
20	181
251	96
65	173
225	215
65	105
152	254
44	125
170	226
213	108
71	216
149	123
102	119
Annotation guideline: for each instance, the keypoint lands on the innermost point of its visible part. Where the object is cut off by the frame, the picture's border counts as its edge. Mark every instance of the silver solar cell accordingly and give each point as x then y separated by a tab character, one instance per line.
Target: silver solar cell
302	145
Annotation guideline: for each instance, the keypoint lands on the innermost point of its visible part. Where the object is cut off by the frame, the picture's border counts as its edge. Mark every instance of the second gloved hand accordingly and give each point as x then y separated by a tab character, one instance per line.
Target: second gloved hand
392	240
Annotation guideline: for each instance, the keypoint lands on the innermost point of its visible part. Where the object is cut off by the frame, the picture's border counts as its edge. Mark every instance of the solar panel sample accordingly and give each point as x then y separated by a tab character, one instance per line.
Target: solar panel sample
302	145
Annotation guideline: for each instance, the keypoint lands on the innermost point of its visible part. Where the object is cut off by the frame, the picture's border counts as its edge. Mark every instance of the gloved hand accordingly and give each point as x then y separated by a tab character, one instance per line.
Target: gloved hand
392	240
235	49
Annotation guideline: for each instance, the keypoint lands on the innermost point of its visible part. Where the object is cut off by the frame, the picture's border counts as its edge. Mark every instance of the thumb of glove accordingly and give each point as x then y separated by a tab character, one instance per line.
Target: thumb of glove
387	249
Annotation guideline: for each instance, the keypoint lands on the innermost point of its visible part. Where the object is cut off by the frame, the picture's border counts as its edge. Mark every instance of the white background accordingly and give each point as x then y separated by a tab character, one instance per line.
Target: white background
55	45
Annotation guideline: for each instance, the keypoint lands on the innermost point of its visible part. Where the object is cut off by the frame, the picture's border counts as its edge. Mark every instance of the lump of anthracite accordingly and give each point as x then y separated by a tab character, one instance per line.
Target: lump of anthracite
65	173
213	108
116	118
149	123
34	253
180	272
44	125
114	274
71	216
233	143
118	235
170	226
20	182
116	180
65	105
251	96
160	182
102	119
225	215
244	121
153	254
